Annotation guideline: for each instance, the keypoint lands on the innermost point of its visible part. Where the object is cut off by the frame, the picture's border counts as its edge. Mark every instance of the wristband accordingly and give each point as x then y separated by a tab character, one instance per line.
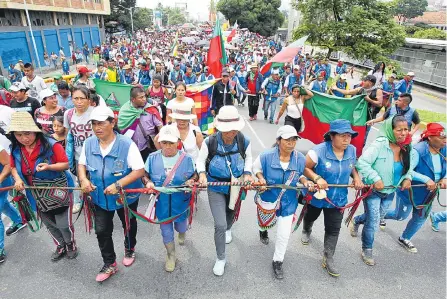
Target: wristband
317	178
117	185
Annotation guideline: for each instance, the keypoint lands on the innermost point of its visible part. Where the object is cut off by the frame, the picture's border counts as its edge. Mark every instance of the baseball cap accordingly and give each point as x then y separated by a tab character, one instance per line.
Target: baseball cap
45	93
393	76
83	70
411	74
286	132
343	77
169	133
16	86
225	72
275	72
101	113
57	77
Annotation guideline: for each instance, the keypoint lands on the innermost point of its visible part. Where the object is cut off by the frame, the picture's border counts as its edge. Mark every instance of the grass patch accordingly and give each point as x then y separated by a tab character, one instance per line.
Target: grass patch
427	116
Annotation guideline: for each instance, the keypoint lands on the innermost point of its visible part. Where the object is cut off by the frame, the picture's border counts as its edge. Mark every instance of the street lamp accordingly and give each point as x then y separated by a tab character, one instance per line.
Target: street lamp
131	14
32	36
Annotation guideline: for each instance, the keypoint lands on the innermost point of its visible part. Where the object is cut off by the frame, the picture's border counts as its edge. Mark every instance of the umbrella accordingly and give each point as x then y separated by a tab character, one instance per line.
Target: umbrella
188	40
203	43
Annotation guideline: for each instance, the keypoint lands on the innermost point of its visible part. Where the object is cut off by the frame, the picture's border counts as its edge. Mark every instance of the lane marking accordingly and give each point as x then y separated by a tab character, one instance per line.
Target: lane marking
254	133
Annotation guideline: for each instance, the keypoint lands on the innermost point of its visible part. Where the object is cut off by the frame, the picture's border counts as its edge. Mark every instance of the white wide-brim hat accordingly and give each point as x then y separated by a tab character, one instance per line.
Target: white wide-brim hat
228	119
182	111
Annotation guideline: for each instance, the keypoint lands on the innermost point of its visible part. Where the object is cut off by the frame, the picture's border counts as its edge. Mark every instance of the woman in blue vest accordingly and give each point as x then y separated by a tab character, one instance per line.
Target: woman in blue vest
222	156
6	208
112	162
387	164
41	161
280	165
331	162
431	170
271	87
171	167
341	84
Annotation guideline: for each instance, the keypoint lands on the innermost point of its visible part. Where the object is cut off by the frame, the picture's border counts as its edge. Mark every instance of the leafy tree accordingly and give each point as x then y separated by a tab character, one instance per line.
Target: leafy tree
260	16
120	15
432	33
171	16
408	9
142	18
410	30
422	25
362	29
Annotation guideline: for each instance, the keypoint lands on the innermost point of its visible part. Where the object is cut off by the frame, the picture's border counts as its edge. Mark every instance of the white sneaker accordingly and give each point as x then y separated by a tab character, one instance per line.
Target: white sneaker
76	208
219	267
228	237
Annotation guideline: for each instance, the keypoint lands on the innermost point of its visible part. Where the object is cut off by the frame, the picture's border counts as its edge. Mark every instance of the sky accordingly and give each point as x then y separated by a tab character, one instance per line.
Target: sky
196	8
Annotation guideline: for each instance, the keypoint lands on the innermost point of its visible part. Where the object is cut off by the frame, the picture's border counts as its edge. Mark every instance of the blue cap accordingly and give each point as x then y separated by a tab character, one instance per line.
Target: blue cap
340	126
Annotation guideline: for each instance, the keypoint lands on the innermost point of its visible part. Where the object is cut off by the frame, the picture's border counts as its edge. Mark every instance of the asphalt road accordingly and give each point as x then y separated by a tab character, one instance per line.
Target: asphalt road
29	273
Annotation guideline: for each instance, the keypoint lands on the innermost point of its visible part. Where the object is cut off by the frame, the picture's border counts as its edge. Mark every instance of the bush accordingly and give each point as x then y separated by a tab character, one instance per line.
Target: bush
410	30
422	25
432	33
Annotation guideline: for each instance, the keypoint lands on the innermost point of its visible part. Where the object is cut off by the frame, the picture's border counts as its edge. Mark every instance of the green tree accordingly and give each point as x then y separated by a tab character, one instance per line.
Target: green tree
142	18
175	16
408	9
260	16
361	29
120	15
432	33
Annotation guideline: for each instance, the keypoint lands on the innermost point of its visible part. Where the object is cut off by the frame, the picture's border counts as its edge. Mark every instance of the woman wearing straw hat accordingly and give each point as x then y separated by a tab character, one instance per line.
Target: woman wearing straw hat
431	170
40	161
387	164
112	161
191	138
279	165
223	156
171	167
331	162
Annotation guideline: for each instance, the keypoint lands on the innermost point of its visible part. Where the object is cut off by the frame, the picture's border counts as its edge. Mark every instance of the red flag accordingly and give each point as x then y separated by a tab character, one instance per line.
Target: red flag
232	33
217	56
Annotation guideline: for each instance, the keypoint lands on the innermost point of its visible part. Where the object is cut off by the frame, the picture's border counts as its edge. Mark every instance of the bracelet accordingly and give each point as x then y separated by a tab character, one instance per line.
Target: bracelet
316	178
117	185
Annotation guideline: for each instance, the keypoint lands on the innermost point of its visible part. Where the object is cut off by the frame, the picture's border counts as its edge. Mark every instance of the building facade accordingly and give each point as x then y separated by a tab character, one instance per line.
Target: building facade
56	24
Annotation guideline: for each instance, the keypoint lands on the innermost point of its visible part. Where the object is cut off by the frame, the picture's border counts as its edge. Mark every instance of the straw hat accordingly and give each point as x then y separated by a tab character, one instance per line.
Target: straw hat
182	111
228	119
22	122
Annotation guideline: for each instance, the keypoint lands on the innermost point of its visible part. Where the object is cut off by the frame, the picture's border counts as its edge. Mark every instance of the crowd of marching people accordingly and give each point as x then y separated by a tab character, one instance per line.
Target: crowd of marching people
62	136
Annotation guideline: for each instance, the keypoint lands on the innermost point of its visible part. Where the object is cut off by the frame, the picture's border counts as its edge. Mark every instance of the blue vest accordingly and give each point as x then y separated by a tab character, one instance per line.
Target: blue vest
425	167
275	174
272	87
176	76
169	205
339	70
144	78
218	168
408	114
388	87
127	79
294	80
6	183
242	77
47	175
106	171
334	171
327	68
100	76
319	86
341	86
189	80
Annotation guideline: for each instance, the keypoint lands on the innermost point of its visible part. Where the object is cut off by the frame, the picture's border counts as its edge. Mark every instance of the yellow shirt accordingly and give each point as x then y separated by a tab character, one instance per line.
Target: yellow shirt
112	75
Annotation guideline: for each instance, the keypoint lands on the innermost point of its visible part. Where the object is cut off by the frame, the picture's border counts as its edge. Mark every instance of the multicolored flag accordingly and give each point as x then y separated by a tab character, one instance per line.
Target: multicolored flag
232	33
217	56
200	92
174	47
287	54
322	108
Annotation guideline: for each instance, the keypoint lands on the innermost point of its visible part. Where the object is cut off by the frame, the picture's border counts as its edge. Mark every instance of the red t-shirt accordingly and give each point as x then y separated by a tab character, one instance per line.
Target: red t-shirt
58	156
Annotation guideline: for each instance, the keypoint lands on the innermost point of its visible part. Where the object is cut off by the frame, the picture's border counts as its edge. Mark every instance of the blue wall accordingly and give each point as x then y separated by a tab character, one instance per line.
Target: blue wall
14	45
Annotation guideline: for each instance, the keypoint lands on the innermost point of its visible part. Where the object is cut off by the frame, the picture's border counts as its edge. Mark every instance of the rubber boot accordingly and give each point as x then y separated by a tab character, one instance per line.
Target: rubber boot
170	257
181	239
307	230
330	242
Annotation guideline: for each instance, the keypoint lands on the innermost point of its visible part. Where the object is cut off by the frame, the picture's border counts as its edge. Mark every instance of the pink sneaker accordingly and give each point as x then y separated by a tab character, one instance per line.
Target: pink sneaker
129	258
106	272
255	117
251	118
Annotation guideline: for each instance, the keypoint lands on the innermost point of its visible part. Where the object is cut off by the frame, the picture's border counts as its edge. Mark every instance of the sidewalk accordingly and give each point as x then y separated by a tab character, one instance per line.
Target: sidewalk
49	72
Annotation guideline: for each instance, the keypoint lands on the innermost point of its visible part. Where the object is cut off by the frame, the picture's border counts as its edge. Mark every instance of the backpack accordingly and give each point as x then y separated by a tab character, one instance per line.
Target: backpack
212	148
5	97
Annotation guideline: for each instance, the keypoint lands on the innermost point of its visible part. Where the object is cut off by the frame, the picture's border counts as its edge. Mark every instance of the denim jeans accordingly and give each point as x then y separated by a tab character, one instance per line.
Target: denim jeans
8	209
373	205
401	211
270	106
167	230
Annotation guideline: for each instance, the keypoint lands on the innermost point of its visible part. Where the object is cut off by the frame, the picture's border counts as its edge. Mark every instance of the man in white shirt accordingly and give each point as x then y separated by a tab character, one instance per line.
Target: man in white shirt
34	83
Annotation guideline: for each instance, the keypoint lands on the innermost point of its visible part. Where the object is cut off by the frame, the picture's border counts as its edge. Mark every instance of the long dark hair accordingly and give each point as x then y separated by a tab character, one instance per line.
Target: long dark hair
45	147
405	150
377	67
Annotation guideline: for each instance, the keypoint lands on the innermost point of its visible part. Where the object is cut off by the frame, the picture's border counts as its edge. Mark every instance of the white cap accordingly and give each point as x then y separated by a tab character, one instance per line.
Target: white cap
393	76
275	72
230	69
101	113
16	86
286	132
45	93
169	133
343	77
411	74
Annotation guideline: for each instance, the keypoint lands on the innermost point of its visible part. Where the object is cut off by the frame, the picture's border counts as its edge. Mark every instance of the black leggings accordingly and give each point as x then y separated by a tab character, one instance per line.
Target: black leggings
294	122
332	219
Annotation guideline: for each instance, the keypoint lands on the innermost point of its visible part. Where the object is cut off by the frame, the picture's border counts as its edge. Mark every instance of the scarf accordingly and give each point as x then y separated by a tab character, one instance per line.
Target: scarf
252	76
387	131
127	116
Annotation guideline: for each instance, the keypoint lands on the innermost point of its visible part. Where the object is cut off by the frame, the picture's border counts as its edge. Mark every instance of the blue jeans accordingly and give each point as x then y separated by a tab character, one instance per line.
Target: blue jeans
270	105
402	211
167	230
8	209
439	217
374	206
